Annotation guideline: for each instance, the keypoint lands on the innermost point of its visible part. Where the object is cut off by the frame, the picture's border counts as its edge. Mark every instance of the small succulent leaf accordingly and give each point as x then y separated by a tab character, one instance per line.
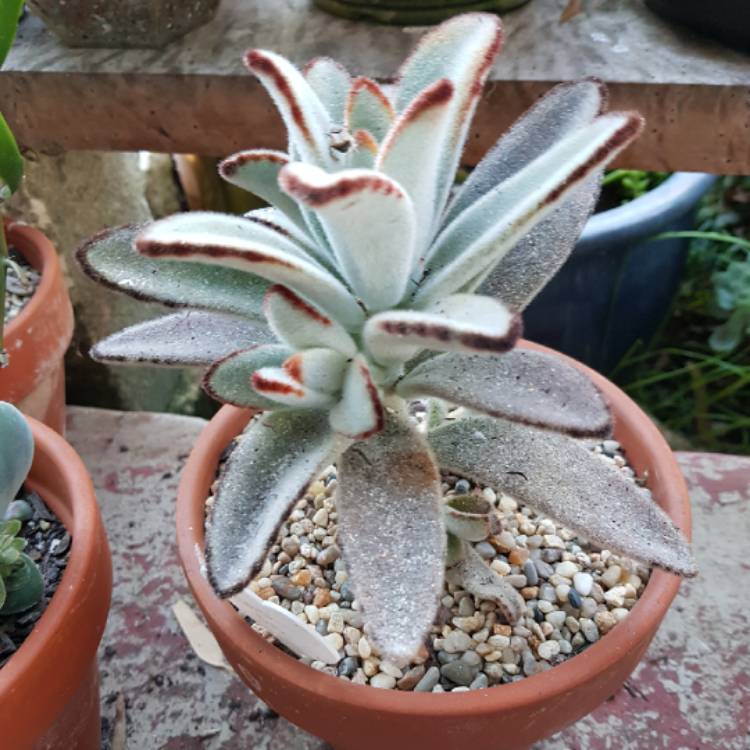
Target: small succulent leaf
471	574
275	219
436	413
560	112
390	484
16	453
454	550
462	322
461	50
320	369
229	380
468	517
362	212
257	171
368	108
560	477
305	117
278	385
537	257
302	325
275	460
330	81
533	388
411	154
110	258
184	339
366	151
472	244
3	593
263	256
10	527
359	414
23	588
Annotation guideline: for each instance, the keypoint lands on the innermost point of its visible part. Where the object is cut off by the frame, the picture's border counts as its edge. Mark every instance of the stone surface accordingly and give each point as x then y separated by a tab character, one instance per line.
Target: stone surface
691	690
185	97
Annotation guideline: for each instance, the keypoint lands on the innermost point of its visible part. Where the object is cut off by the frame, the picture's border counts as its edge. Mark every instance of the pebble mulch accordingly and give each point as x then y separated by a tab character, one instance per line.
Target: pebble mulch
574	595
19	291
48	545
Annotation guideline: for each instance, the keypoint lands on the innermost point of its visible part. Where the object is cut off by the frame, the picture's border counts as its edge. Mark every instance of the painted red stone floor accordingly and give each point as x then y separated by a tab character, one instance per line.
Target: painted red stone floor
691	692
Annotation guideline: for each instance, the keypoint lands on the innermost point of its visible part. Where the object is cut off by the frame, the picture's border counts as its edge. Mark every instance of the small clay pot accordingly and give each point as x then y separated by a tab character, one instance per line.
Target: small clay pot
37	338
49	690
507	717
122	23
408	13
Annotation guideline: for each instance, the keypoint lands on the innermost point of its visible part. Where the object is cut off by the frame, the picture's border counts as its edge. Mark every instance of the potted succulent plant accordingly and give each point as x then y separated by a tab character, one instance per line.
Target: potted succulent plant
409	12
113	24
49	695
320	320
36	309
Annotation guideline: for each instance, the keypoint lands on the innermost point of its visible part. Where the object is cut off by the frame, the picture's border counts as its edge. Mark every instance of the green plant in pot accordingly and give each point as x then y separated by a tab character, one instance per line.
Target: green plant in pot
412	12
21	584
360	290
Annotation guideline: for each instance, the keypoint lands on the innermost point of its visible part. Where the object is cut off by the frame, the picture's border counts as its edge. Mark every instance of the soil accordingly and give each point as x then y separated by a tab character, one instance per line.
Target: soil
48	545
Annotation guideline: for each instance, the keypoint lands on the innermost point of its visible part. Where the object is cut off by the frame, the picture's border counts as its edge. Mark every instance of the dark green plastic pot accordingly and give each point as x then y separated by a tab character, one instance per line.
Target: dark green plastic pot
411	12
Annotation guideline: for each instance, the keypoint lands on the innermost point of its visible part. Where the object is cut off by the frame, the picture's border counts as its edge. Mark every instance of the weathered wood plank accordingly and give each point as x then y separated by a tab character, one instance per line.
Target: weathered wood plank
194	96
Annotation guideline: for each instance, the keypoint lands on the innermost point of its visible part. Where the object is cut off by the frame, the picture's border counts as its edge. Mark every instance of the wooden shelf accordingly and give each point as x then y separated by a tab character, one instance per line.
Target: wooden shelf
194	95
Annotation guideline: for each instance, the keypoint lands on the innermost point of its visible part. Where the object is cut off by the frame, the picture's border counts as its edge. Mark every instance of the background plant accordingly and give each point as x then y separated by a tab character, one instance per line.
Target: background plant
365	286
21	584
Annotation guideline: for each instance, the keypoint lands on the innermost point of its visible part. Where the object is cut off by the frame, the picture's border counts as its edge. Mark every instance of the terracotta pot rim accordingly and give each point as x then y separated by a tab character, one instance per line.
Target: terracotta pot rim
50	271
643	618
88	546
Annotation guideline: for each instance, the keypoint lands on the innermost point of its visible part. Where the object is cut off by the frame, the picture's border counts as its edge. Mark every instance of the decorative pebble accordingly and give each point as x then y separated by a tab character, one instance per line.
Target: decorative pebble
566	569
458	672
583	583
531	573
412	678
548	650
462	487
575	599
383	681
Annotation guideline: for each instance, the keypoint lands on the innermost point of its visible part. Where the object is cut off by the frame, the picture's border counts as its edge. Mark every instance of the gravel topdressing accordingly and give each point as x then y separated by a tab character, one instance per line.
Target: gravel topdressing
574	595
19	290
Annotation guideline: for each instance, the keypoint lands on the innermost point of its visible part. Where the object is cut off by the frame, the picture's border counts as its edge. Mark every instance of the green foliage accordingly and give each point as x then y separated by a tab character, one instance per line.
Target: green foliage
10	12
21	583
695	378
625	185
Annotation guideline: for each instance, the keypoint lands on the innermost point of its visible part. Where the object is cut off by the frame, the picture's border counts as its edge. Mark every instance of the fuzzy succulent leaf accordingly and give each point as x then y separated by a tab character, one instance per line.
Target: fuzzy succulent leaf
110	258
558	476
461	50
276	459
468	517
257	171
16	453
474	242
362	211
319	369
331	81
229	380
460	322
265	255
533	388
409	154
302	325
368	108
471	574
391	484
278	385
189	338
563	110
281	223
305	117
359	413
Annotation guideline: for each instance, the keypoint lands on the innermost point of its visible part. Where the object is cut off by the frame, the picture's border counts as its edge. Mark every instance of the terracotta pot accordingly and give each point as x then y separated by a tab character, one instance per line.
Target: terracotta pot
37	338
49	690
355	717
412	12
121	23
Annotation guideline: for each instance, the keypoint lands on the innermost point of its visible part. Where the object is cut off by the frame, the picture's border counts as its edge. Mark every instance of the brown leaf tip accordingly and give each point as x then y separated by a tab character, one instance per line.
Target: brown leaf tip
263	384
318	196
277	290
363	83
232	164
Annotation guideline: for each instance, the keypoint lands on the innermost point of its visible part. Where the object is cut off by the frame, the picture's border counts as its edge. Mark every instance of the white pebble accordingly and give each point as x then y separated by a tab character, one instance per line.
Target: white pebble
383	681
364	648
548	649
321	517
389	668
583	583
566	569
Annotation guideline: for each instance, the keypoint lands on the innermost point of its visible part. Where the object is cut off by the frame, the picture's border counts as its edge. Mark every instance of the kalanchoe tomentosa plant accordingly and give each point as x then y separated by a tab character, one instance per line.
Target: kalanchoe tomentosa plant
21	584
365	267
